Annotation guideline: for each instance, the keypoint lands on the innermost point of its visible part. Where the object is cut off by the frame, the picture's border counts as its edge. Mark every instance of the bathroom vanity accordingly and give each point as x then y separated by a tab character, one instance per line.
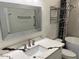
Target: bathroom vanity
41	50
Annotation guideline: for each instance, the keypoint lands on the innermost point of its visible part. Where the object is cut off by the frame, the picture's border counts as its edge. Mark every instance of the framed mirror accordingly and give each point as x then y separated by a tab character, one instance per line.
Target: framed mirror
17	20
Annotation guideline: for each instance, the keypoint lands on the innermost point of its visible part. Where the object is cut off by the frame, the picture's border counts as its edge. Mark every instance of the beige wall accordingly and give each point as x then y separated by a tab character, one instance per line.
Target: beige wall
45	4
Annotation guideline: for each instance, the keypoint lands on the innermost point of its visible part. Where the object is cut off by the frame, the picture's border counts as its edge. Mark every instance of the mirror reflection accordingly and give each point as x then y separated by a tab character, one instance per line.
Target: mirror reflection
20	20
17	21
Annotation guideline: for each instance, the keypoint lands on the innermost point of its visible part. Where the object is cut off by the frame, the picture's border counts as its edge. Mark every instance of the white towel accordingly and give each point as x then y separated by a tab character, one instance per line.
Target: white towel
4	57
17	55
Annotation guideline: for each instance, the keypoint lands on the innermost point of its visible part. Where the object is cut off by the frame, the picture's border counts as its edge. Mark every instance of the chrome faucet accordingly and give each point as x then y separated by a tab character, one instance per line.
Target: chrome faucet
25	47
31	42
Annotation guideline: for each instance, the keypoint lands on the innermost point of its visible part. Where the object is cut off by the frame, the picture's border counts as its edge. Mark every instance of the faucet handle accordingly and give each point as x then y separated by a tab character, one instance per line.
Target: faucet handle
29	42
25	46
33	42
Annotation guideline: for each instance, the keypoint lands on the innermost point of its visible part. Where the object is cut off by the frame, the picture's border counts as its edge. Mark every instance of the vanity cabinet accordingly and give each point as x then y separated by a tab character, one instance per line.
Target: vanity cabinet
56	55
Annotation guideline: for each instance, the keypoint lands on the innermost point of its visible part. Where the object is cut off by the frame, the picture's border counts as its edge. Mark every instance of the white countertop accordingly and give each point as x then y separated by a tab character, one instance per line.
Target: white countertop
46	42
4	57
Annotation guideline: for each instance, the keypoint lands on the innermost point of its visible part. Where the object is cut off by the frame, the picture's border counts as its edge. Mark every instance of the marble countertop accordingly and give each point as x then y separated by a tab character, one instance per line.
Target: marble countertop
46	42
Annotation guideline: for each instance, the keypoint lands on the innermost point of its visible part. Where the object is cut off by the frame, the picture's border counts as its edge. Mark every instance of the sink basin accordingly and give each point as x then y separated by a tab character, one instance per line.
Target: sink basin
35	51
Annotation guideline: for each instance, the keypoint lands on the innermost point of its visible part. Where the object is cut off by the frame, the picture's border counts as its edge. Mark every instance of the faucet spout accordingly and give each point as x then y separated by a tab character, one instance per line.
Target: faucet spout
31	42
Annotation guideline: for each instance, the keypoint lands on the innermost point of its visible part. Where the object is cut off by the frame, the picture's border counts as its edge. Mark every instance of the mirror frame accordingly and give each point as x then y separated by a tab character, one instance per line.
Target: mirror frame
4	5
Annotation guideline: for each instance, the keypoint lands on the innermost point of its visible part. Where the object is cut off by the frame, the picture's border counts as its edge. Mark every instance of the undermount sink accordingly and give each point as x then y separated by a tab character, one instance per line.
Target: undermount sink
36	51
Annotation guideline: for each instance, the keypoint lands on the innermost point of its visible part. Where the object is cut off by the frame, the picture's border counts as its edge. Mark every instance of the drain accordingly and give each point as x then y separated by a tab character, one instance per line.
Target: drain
34	56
